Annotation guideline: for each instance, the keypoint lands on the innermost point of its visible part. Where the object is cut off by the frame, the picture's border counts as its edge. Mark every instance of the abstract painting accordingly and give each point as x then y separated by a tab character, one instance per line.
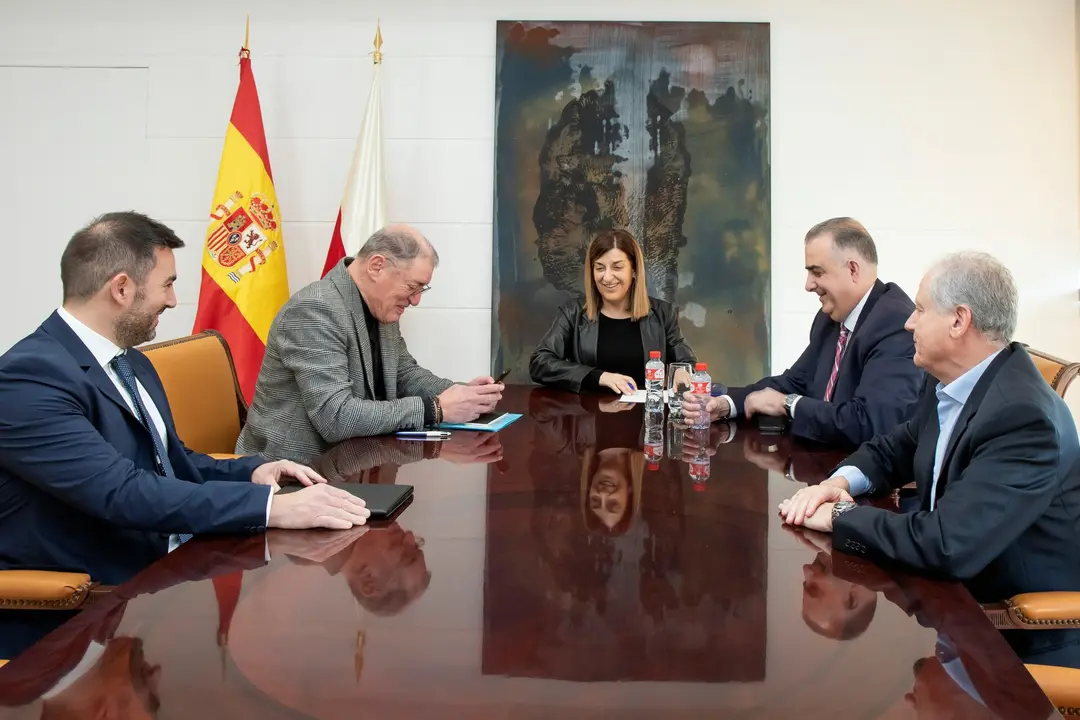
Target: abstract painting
661	128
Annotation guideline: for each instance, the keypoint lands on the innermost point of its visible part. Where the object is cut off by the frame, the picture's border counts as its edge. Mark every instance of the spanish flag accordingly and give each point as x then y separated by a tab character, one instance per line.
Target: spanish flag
244	282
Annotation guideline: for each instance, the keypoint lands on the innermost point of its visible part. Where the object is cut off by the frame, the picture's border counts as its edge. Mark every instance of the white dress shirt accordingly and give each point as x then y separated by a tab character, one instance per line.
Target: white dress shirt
104	350
951	400
849	323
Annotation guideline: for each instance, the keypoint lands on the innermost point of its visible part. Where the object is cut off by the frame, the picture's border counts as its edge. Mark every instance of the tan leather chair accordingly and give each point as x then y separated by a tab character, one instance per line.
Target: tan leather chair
200	381
1044	611
47	590
1047	610
1057	372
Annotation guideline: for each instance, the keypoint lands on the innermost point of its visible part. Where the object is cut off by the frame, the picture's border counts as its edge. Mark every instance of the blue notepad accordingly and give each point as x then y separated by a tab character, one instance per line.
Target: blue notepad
490	422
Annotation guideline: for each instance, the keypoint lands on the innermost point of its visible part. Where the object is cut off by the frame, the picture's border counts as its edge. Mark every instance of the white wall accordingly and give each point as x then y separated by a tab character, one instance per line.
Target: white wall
939	125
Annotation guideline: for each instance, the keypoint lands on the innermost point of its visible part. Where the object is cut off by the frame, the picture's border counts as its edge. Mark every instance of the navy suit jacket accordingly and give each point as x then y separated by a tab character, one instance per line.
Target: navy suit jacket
78	487
877	385
1006	515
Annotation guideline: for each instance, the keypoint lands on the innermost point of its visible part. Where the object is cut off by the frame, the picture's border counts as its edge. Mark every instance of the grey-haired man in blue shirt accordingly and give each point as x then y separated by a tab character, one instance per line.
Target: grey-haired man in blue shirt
992	449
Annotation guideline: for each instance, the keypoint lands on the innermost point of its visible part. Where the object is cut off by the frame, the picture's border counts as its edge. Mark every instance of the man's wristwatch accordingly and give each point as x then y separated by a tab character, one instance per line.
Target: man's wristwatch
789	403
842	507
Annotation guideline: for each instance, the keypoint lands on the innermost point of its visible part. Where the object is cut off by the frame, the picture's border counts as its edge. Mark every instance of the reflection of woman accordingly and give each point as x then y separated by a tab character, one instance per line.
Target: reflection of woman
606	342
611	487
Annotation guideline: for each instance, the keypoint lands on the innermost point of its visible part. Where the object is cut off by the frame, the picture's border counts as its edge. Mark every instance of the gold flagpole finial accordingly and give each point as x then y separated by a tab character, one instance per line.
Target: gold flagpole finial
377	55
244	52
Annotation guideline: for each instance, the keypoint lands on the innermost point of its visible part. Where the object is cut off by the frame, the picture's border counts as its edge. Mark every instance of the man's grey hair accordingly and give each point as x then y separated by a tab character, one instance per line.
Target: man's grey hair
400	245
982	283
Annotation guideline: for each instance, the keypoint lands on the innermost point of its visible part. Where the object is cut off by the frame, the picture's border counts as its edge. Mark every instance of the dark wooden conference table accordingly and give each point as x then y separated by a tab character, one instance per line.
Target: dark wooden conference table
565	567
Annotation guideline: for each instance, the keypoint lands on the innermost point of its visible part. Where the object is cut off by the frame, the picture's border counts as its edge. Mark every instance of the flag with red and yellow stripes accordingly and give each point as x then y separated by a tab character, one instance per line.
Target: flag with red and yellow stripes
244	282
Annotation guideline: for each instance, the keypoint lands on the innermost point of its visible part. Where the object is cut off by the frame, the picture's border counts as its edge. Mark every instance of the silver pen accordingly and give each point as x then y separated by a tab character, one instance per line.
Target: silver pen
423	434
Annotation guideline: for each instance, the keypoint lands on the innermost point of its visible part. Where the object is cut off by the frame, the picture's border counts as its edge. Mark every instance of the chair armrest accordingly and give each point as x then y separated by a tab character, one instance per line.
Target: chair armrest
43	590
1036	611
1061	685
225	456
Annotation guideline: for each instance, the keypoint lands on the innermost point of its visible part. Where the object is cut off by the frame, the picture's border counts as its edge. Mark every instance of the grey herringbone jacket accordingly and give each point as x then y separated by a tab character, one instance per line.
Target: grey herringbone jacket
314	387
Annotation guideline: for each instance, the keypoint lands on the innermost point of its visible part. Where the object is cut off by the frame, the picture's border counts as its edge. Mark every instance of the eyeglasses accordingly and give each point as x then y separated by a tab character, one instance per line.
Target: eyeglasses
413	288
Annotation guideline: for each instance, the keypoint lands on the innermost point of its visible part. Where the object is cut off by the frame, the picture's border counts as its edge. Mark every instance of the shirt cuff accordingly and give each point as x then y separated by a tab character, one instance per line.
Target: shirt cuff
269	500
858	483
794	403
731	406
592	380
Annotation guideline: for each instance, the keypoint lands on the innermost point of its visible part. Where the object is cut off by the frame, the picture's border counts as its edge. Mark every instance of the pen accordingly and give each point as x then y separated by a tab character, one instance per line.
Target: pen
440	434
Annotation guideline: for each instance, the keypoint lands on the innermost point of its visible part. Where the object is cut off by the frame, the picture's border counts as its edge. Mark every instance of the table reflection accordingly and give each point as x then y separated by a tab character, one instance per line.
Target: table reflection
619	566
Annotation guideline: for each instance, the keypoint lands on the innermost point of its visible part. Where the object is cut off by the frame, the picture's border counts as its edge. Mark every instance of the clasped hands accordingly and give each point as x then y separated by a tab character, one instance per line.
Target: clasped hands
812	506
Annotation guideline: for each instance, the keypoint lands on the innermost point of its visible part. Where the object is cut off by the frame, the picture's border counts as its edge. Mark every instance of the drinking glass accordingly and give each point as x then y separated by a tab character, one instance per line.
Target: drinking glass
678	382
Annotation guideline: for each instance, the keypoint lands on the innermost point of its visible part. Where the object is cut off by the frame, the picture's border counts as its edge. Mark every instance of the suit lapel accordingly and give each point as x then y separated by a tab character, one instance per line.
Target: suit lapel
388	335
341	279
850	356
968	411
62	332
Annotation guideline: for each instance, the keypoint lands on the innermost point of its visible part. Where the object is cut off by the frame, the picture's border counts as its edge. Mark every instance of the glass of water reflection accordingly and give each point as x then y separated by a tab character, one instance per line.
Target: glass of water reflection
678	382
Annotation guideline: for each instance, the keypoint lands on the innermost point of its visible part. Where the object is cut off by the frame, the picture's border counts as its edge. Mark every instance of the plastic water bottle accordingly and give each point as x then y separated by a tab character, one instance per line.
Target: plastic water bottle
654	382
701	387
701	464
654	439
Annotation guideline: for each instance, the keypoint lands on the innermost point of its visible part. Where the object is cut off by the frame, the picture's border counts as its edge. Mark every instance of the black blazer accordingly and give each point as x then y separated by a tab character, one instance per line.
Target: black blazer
78	485
1007	514
567	352
877	386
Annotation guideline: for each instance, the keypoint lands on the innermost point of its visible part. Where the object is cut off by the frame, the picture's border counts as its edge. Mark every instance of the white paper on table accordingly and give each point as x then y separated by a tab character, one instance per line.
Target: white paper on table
639	397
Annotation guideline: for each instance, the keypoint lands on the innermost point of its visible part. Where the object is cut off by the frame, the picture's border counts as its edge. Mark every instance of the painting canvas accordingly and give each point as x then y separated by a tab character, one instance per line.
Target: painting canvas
661	128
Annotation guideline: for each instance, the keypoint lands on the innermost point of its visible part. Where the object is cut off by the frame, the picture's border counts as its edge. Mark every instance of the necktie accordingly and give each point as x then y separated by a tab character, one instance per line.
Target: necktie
840	342
123	370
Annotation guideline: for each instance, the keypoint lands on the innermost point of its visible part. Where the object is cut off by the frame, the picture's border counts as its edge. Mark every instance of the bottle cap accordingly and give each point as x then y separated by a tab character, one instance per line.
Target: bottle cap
701	366
654	354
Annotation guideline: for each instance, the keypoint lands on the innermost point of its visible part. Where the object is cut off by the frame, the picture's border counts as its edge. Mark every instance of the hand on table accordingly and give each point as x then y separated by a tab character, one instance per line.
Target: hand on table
764	402
716	408
803	507
318	506
622	384
274	473
465	403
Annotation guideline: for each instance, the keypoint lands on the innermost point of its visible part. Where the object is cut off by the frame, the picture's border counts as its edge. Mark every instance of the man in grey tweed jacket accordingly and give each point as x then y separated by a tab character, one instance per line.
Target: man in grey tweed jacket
336	366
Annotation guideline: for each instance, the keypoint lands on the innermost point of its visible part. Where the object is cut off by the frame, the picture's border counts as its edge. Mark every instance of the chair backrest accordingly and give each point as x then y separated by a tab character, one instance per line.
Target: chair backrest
1059	373
204	394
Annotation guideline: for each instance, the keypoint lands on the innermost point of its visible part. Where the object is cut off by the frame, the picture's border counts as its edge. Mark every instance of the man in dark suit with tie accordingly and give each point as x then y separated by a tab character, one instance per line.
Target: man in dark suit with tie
855	379
992	449
93	477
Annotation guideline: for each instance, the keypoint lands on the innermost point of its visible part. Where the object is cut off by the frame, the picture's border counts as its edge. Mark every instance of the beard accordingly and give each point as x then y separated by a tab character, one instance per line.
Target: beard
136	326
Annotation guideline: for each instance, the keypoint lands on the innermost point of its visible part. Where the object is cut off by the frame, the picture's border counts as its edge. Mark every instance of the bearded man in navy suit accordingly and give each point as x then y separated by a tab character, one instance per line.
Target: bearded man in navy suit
93	477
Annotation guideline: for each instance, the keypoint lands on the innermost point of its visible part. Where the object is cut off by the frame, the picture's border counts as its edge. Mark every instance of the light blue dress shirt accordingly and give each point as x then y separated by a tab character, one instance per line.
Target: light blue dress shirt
951	399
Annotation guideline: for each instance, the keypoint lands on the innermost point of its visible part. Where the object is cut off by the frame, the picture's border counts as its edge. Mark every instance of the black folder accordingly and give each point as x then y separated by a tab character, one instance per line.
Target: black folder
382	500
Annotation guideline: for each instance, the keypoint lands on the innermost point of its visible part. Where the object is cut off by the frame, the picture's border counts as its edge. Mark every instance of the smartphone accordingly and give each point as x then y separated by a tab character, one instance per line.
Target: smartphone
503	376
770	425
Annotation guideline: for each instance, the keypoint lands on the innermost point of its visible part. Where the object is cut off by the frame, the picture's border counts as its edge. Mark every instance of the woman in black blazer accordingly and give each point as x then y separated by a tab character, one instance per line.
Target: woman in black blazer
606	342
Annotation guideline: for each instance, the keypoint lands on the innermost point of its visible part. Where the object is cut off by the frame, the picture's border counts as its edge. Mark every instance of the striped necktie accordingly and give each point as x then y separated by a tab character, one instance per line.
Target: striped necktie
840	343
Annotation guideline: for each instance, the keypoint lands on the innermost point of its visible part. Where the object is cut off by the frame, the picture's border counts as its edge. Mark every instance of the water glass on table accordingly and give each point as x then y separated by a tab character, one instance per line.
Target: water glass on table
678	382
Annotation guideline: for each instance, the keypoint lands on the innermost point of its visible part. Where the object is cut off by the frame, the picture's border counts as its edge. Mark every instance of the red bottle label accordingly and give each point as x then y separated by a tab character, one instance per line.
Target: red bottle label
654	373
700	388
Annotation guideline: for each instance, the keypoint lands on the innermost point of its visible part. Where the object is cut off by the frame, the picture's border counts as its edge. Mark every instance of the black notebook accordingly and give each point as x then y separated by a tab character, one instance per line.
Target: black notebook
382	500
